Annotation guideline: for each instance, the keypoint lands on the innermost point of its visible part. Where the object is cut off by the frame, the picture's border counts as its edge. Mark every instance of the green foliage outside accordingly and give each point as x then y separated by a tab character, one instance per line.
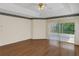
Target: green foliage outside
67	28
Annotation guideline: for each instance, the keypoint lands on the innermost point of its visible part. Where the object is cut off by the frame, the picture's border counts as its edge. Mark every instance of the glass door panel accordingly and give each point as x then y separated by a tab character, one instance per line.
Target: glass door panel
67	39
54	39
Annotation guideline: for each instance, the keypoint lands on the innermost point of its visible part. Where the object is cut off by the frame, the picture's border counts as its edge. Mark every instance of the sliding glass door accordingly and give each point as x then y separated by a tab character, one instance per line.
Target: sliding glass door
61	38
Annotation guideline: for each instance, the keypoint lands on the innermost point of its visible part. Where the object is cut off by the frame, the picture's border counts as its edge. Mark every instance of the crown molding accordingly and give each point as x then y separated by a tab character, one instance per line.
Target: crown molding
34	18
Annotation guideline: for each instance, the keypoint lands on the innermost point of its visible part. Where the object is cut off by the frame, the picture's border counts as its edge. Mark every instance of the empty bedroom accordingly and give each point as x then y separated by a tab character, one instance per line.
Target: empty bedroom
39	29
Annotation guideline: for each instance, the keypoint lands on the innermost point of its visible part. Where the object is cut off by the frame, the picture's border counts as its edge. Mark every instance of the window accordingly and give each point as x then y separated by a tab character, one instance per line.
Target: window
67	28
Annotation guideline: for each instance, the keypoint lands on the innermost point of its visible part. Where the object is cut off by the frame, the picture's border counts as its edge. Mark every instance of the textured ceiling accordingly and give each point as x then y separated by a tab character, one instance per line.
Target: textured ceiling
31	9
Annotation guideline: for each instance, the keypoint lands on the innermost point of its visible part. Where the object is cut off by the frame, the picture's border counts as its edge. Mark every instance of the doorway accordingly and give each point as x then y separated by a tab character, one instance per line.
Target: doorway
61	37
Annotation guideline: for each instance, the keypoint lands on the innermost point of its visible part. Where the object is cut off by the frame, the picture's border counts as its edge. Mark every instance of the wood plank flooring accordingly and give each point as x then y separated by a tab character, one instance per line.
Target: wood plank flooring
40	47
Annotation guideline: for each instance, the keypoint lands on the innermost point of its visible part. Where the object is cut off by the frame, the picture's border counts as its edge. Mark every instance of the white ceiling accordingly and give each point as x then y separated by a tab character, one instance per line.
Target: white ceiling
31	9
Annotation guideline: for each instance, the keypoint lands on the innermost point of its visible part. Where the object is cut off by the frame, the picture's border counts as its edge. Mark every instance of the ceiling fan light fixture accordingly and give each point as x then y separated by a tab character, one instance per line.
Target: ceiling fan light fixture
41	6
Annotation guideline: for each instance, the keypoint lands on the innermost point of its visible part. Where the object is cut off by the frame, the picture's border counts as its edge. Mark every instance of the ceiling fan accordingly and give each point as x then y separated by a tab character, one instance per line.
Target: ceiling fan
41	6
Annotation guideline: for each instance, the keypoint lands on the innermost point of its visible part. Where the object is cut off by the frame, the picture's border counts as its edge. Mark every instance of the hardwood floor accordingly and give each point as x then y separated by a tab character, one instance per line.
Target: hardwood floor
38	47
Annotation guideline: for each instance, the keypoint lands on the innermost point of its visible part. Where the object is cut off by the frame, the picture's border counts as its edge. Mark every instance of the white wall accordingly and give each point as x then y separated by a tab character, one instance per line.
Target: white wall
14	29
39	29
77	33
